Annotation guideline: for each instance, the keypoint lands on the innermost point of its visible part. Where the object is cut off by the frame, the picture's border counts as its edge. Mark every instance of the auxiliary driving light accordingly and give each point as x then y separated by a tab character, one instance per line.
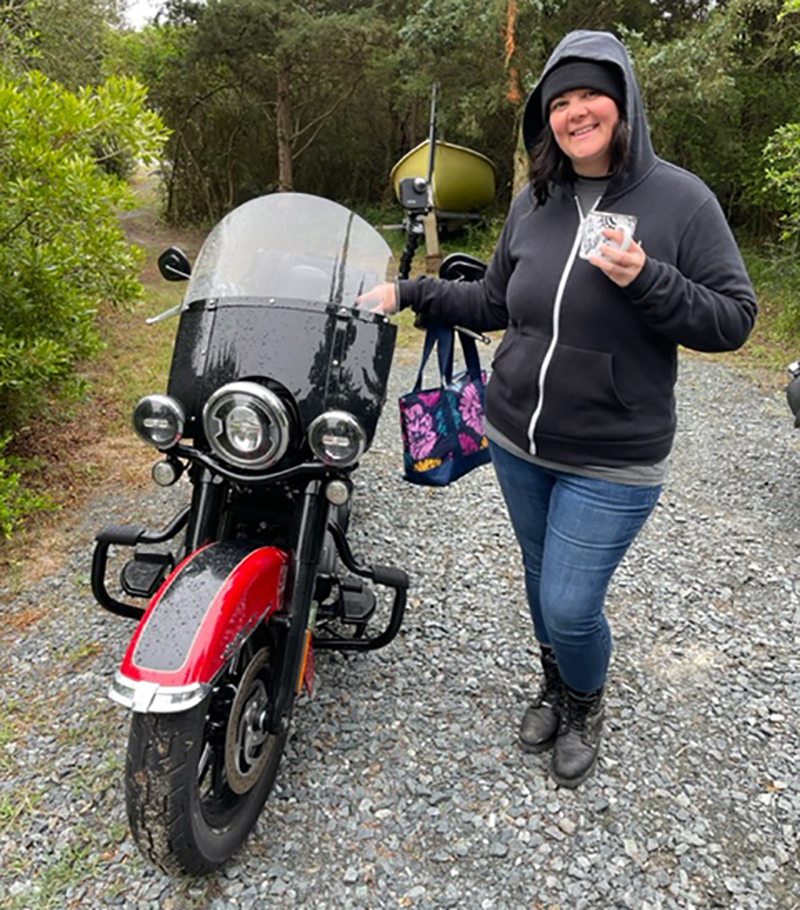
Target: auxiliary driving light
337	492
247	425
337	438
159	421
166	472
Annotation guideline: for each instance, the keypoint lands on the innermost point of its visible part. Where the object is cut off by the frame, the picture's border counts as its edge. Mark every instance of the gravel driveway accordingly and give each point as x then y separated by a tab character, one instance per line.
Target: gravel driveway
402	785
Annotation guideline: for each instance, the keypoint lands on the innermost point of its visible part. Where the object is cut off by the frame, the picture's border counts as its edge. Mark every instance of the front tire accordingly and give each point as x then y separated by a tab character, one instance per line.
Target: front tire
184	813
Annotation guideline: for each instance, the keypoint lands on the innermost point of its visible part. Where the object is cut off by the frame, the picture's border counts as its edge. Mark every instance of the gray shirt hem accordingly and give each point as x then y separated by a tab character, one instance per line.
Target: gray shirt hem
635	475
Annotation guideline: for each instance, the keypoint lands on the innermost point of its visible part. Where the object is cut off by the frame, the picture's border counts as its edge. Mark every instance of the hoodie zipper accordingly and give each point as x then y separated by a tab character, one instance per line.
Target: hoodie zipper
556	321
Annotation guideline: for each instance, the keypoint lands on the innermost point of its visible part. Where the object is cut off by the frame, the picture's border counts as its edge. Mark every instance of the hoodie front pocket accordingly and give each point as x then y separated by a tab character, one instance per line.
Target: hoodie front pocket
514	385
518	360
580	396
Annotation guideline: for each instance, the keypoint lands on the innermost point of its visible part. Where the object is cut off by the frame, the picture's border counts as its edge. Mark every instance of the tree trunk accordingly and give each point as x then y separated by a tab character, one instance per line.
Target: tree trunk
521	160
284	120
414	127
515	96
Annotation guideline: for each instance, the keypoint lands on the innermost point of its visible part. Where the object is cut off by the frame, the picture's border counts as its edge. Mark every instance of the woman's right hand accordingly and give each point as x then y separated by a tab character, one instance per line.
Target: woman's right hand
381	299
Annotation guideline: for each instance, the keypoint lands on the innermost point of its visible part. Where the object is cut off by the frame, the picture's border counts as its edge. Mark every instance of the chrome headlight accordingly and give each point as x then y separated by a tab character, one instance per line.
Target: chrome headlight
247	425
159	420
337	438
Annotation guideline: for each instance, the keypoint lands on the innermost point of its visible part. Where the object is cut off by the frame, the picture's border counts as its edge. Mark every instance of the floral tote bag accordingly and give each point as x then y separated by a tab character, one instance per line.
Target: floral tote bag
442	427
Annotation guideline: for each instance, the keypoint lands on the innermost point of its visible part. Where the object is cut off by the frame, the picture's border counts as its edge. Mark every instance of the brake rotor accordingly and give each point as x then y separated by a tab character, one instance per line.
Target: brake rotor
246	736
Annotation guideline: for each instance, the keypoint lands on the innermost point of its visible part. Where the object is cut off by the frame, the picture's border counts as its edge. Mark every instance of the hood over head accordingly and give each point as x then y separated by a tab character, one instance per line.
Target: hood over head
604	49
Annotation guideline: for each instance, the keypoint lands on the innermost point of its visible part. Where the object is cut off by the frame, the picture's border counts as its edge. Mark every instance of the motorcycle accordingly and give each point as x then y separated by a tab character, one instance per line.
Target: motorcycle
275	389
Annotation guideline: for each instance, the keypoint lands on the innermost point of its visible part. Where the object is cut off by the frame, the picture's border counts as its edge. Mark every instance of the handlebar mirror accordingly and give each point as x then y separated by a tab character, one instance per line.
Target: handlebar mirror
174	265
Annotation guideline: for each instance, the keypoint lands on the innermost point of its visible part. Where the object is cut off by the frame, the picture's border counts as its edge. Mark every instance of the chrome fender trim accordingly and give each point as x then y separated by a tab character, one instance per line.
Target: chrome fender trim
153	698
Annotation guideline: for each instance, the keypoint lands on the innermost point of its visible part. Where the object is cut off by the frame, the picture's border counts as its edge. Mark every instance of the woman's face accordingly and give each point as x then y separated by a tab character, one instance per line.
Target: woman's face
583	121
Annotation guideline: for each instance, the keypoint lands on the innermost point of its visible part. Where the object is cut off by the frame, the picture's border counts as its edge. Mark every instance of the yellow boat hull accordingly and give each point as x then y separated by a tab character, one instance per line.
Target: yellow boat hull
463	180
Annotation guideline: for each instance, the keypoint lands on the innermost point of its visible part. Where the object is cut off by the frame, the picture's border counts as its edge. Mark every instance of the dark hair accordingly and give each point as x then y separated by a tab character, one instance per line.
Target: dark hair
549	165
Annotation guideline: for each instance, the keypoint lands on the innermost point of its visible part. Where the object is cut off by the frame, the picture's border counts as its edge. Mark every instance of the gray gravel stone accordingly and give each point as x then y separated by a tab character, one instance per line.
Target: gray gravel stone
402	784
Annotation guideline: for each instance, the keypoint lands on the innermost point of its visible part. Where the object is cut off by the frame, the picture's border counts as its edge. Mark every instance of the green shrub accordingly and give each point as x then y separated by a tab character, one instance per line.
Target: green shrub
782	177
15	501
62	250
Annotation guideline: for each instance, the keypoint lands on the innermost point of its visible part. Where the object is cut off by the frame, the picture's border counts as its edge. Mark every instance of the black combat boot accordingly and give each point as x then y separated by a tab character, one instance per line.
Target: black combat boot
578	743
539	727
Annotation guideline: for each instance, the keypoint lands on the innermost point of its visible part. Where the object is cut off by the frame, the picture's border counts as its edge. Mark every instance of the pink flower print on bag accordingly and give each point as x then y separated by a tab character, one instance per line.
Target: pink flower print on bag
421	435
429	399
471	410
468	444
443	427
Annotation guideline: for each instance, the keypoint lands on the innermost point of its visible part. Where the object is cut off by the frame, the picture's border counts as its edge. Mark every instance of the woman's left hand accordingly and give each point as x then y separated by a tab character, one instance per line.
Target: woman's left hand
620	266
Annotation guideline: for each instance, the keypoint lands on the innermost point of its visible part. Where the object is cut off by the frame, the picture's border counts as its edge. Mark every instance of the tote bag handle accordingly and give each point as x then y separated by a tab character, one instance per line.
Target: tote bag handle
440	336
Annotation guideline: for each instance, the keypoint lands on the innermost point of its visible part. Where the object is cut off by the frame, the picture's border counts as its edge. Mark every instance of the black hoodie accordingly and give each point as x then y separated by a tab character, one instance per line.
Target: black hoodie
586	369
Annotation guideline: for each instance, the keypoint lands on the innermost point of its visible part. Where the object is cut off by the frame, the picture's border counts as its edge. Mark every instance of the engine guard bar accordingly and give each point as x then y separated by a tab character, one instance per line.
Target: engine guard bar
306	469
388	576
127	536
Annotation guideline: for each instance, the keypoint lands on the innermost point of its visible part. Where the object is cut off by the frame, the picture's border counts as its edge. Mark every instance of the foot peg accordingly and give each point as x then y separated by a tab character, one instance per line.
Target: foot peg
358	601
143	575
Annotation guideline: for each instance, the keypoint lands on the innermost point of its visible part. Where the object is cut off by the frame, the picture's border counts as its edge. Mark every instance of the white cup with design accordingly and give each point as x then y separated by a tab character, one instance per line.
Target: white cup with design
593	238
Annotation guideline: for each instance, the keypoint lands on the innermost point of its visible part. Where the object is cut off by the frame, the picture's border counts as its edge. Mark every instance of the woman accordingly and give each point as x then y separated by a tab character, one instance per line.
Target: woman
580	409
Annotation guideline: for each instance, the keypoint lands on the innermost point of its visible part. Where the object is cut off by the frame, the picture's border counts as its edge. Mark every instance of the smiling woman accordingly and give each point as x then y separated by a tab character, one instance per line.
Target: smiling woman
583	124
580	408
584	101
583	128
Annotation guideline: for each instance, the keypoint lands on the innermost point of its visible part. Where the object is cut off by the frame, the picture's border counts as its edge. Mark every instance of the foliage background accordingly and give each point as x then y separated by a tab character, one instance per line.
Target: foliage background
62	250
236	98
355	77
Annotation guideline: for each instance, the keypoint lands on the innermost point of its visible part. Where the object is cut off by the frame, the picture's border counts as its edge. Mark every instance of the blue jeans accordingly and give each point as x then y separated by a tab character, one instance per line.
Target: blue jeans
573	532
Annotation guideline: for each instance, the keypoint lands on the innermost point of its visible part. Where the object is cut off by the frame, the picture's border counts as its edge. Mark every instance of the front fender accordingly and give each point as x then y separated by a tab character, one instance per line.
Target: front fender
196	622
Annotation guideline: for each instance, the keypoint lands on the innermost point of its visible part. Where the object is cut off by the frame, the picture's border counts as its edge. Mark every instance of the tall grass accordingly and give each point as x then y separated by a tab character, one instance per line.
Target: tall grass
775	274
